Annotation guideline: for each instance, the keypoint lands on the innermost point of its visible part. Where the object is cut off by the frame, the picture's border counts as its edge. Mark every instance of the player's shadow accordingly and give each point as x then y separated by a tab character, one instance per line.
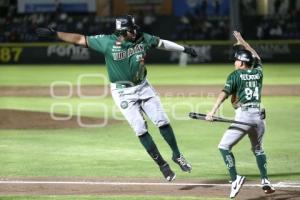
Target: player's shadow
190	187
274	175
279	195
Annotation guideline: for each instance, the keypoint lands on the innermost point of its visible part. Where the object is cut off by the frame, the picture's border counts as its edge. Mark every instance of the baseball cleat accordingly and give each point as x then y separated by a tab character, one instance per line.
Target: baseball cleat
184	165
167	172
236	185
267	186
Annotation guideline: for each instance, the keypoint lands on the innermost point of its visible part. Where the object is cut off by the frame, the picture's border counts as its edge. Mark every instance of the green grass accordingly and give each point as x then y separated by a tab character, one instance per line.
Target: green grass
114	151
275	74
98	152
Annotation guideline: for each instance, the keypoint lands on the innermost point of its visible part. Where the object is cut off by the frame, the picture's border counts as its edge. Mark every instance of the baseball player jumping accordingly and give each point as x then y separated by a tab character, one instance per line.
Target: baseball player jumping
244	84
124	53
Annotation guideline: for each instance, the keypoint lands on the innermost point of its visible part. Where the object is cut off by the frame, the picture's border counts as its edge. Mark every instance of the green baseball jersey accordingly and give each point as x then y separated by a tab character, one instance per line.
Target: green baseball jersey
124	60
245	85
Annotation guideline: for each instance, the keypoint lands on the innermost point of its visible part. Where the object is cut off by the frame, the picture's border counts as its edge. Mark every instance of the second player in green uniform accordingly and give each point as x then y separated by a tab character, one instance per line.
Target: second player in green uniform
245	85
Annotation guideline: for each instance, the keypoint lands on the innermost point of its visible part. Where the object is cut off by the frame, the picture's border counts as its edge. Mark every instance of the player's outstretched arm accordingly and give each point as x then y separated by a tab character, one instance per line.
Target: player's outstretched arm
73	38
241	41
172	46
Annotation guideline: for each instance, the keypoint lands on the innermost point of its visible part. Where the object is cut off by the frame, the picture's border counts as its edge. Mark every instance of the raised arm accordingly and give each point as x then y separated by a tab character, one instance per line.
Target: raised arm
73	38
241	41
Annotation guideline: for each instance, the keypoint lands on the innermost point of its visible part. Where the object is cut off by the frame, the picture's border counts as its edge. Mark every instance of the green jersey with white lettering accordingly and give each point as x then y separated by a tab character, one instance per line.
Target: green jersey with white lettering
124	60
245	85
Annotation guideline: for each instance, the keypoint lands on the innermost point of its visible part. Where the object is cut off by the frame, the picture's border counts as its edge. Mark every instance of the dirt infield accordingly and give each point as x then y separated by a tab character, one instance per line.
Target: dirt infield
19	119
141	187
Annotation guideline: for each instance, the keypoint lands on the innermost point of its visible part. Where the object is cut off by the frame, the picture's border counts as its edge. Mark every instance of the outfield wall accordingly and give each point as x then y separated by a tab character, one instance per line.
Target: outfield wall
286	51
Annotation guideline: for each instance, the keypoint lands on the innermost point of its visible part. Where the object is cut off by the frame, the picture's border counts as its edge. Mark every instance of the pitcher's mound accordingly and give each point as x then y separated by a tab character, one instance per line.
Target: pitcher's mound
20	119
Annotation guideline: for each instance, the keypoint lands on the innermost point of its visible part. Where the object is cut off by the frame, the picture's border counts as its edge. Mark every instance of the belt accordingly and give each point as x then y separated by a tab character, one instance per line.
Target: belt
247	106
126	84
250	108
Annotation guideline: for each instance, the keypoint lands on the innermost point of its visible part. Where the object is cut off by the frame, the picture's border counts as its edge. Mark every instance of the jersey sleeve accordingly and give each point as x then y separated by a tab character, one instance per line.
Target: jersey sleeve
97	42
230	85
150	40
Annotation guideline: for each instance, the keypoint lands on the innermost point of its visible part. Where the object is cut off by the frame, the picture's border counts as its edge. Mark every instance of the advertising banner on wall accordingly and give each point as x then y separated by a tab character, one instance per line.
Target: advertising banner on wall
55	53
52	53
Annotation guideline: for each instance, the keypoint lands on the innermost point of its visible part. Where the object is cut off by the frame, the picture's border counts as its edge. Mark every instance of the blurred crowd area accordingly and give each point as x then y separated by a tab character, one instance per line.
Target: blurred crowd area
283	23
273	27
193	25
21	27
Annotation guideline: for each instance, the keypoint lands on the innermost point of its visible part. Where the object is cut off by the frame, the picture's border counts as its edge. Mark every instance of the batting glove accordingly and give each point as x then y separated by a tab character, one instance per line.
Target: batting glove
46	32
190	51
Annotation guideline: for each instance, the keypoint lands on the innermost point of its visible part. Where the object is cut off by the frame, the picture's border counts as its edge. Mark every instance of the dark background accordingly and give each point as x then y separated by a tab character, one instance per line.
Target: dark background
272	27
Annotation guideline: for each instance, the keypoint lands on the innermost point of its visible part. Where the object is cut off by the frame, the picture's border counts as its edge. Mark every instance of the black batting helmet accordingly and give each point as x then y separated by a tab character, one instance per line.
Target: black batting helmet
244	56
126	23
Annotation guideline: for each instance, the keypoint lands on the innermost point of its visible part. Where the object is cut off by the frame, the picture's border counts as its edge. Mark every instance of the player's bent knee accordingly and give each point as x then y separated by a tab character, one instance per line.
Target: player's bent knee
138	125
139	129
162	123
224	147
141	134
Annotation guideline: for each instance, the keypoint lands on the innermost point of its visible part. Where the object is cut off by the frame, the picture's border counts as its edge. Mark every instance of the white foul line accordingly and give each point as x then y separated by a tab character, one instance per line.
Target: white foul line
278	185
